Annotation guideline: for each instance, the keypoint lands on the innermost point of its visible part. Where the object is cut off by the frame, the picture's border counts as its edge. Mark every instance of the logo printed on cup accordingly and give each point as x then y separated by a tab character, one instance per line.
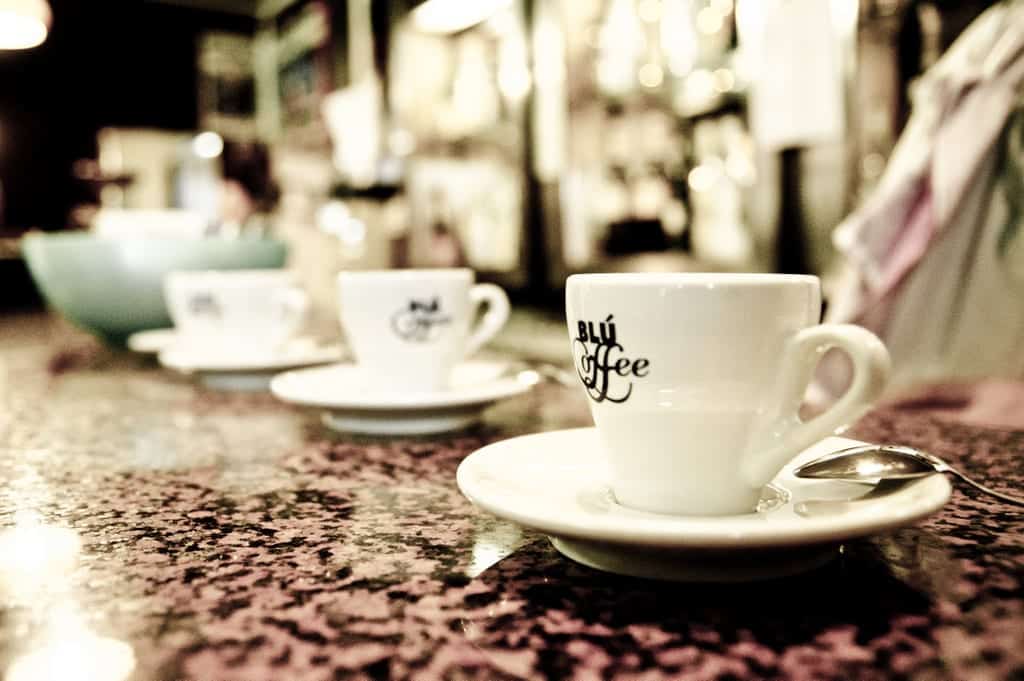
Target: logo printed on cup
419	321
204	305
604	368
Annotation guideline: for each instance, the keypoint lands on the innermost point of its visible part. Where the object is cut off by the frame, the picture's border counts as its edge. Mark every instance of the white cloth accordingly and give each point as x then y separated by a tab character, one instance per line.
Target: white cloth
926	266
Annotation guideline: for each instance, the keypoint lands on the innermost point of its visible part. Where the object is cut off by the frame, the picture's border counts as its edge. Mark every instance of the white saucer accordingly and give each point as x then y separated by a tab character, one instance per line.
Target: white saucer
556	483
357	402
152	341
236	369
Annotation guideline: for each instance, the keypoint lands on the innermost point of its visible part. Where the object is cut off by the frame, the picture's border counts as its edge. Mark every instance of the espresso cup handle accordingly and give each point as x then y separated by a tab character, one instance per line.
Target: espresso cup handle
292	305
494	318
803	352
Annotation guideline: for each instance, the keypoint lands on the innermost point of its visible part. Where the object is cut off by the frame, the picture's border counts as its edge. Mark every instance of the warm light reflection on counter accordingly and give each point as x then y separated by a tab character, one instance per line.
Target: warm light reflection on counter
492	545
33	555
72	652
36	564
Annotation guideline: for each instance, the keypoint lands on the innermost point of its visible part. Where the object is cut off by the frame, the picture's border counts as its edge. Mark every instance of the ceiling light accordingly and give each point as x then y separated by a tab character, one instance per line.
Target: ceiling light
23	23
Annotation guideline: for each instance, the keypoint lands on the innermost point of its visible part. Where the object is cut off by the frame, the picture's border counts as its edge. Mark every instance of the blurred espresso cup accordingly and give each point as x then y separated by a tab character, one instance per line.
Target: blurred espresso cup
410	328
238	311
695	381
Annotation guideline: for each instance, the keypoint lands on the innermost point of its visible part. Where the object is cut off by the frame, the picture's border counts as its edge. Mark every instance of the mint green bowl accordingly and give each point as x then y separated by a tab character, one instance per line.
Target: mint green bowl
113	287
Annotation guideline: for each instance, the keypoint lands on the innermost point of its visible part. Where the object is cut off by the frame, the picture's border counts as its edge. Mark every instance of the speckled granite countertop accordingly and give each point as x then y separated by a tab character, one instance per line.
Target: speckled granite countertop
156	531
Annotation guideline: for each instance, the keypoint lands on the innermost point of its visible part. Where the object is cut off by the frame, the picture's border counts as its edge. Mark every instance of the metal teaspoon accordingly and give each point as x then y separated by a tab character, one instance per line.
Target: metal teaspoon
887	462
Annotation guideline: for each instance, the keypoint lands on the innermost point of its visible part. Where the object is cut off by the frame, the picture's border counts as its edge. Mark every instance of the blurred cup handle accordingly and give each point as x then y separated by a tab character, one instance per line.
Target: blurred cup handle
495	317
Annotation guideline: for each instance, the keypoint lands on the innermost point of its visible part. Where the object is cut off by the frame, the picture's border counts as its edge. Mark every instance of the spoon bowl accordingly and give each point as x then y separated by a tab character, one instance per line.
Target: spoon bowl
887	462
869	462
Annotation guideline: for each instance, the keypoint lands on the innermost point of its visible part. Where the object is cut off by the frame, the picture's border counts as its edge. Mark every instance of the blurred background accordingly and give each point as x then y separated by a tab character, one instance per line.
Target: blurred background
527	139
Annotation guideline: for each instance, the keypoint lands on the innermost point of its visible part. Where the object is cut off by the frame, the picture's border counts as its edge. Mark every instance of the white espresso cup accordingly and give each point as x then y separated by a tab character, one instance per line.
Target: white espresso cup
695	381
240	311
411	327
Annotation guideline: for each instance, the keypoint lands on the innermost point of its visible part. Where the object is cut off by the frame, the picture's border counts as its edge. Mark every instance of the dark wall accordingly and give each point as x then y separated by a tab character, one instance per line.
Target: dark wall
105	62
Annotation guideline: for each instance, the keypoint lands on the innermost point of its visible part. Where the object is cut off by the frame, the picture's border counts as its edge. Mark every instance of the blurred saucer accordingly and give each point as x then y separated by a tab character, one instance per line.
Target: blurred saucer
152	341
356	401
237	369
556	483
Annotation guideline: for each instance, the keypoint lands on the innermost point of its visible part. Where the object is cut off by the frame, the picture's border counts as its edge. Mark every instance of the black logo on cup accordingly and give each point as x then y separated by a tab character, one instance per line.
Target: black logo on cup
419	321
603	368
204	305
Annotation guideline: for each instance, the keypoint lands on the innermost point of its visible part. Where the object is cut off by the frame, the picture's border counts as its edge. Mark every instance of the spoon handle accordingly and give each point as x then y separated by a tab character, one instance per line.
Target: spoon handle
1019	501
